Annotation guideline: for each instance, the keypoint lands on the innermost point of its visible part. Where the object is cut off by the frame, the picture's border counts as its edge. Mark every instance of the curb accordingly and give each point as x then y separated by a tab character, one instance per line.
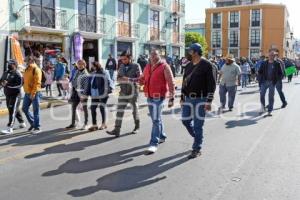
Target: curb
43	105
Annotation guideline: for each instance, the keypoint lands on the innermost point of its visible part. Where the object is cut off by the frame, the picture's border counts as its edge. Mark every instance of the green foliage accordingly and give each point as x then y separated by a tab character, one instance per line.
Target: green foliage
192	37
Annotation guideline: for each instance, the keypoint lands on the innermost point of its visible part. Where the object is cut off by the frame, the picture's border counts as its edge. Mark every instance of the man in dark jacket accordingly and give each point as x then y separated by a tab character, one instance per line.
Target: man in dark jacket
111	67
12	82
270	72
198	88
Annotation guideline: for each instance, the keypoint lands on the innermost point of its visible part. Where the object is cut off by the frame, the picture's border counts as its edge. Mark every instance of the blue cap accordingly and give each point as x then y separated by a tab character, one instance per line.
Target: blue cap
196	47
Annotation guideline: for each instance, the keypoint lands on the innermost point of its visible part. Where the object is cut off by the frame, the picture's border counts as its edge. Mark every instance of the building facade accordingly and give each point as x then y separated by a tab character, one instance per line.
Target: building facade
248	31
4	30
106	26
196	28
224	3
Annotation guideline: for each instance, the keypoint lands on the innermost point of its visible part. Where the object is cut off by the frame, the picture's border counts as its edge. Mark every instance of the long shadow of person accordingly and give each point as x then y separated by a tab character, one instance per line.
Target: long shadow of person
76	166
133	177
254	118
64	148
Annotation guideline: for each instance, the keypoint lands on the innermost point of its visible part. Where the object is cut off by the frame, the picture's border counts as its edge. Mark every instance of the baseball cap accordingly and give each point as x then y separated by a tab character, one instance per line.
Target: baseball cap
196	47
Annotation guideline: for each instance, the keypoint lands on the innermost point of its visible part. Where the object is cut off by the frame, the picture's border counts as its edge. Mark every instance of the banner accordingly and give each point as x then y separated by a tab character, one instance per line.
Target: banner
78	46
16	51
290	70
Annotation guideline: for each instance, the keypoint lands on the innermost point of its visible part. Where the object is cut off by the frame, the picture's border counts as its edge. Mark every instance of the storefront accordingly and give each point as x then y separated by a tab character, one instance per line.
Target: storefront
90	51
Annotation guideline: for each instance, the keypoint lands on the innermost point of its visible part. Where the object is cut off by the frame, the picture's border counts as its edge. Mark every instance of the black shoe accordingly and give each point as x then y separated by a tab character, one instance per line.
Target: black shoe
30	128
194	154
284	105
230	109
135	131
269	114
160	141
72	126
114	132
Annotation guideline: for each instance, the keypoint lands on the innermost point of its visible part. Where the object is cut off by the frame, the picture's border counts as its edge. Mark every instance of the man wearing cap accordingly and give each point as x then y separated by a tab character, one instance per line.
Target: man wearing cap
198	88
12	82
229	80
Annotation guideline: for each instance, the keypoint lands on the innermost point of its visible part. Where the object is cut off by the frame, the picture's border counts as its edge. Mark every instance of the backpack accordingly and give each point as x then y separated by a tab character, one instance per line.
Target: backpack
43	81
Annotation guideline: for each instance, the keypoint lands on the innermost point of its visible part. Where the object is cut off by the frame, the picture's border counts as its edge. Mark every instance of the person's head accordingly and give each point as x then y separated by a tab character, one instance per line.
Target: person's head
96	66
81	64
109	55
272	55
12	65
66	75
59	59
154	56
195	51
229	59
30	60
276	53
125	57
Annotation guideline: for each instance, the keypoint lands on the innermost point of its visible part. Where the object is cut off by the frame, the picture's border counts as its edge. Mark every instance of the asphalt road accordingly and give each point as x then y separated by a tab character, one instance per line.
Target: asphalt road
245	157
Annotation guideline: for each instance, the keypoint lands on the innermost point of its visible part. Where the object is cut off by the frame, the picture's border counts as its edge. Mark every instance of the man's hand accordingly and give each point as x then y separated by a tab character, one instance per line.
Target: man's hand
171	103
4	83
207	107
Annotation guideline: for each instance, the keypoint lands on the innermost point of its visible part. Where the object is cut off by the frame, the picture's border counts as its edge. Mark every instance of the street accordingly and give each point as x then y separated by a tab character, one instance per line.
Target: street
245	156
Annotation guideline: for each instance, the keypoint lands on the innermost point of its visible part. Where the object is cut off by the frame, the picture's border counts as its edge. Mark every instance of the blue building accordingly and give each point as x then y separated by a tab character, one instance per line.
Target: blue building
197	28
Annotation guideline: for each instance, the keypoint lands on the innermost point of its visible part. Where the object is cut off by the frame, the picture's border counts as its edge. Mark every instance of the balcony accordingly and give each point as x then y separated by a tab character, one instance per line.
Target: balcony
89	26
34	18
178	39
127	31
158	5
157	37
178	7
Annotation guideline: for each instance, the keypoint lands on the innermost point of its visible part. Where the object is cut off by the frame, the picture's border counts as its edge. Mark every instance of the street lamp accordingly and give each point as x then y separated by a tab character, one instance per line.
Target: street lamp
173	16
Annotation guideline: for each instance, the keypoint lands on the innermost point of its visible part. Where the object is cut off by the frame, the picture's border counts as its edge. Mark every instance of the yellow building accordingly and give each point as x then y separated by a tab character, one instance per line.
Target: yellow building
248	30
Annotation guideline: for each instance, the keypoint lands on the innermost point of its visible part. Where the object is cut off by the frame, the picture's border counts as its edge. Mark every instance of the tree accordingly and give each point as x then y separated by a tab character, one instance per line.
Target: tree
193	37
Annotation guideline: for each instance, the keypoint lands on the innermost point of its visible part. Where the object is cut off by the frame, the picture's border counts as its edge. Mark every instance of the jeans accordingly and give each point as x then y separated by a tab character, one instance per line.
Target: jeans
155	109
13	103
123	101
48	90
112	74
102	104
34	120
75	100
193	115
280	92
245	78
231	95
263	90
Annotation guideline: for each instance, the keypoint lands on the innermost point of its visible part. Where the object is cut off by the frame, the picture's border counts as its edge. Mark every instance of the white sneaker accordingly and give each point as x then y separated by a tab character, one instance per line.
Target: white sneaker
151	150
7	131
85	127
36	131
22	125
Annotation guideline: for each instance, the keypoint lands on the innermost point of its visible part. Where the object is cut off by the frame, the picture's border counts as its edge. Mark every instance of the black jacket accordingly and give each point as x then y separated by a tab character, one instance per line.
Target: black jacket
102	83
113	66
199	80
277	72
14	83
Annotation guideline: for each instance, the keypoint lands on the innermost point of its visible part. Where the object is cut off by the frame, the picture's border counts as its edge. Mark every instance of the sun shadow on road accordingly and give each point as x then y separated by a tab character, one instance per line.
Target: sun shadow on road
254	118
76	166
133	177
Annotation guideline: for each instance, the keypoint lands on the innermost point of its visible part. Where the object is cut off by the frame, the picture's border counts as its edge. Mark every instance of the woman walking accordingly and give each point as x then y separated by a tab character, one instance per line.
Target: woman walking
100	86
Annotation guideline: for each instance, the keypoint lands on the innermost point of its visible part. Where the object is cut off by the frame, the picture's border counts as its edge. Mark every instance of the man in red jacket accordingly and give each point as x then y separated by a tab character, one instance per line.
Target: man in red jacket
158	84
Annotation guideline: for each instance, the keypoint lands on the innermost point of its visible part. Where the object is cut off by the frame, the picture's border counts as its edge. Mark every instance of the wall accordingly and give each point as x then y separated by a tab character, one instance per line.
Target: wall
4	30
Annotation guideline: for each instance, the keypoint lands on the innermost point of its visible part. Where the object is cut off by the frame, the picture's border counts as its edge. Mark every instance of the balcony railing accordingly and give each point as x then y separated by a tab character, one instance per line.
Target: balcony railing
178	7
126	29
157	2
157	35
89	23
37	16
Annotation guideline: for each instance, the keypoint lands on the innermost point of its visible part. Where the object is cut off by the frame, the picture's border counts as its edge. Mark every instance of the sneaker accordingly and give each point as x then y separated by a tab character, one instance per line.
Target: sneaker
114	132
269	114
151	150
22	125
72	126
30	128
102	127
194	154
85	127
7	131
93	128
135	131
230	109
36	131
220	110
160	141
284	105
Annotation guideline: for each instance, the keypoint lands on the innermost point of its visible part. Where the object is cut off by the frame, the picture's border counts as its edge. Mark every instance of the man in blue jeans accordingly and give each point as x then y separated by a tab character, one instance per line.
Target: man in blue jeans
279	86
271	73
32	87
198	88
158	84
229	80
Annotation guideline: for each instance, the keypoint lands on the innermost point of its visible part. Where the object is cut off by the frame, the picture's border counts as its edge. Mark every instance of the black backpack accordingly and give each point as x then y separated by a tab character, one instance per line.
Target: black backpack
43	81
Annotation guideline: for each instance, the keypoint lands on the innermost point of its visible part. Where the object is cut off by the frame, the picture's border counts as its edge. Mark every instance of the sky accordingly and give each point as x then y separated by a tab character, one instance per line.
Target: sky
195	12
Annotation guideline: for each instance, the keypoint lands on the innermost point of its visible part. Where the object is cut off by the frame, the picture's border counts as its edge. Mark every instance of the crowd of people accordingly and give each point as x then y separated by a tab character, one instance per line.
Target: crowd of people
83	86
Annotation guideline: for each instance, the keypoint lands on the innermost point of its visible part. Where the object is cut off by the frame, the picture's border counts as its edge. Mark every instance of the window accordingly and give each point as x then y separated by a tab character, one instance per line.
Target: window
87	15
254	53
154	25
255	18
124	11
234	52
234	38
217	20
42	13
234	19
216	39
255	38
